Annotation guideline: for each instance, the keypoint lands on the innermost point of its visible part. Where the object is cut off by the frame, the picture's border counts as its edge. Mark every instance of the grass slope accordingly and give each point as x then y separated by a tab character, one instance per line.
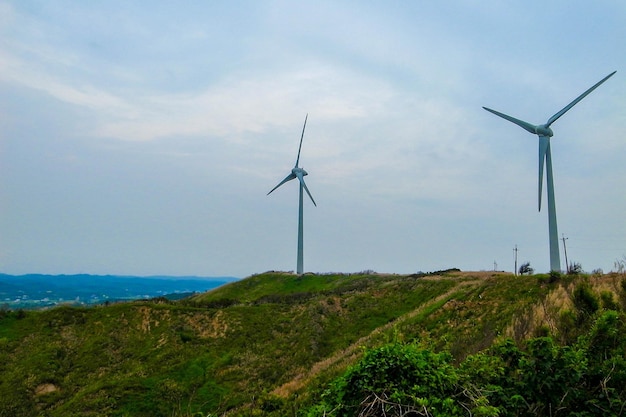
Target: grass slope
268	342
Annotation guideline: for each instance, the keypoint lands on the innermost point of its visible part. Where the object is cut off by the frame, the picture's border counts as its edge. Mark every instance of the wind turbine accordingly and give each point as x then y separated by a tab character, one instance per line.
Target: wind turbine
545	133
299	173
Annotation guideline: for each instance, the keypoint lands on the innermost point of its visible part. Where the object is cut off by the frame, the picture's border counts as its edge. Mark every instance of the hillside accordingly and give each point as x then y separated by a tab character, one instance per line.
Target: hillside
268	342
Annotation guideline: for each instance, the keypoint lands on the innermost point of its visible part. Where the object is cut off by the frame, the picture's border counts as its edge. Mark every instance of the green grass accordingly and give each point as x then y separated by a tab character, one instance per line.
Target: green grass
271	340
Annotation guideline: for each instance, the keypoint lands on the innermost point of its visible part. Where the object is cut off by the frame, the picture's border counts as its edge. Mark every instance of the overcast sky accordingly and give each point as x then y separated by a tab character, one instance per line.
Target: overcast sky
141	137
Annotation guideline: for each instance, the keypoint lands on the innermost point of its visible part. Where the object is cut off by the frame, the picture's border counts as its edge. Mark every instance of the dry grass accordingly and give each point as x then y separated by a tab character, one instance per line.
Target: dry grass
547	312
348	356
544	313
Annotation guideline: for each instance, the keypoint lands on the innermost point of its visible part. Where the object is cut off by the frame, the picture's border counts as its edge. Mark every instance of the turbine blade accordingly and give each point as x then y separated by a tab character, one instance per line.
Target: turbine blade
307	191
301	137
301	178
287	178
580	97
544	145
525	125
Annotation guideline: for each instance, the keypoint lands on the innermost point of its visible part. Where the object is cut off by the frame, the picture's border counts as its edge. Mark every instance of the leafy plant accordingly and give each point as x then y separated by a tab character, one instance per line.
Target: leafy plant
394	380
544	378
585	300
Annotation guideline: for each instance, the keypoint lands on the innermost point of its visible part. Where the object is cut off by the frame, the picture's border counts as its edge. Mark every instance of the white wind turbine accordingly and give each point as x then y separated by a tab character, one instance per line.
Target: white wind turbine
545	133
299	173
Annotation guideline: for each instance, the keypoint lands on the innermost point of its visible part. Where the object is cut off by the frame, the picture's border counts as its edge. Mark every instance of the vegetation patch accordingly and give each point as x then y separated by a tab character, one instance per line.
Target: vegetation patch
274	343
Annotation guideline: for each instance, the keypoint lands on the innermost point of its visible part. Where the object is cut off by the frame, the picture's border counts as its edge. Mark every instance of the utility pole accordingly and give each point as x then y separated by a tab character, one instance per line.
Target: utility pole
515	270
565	250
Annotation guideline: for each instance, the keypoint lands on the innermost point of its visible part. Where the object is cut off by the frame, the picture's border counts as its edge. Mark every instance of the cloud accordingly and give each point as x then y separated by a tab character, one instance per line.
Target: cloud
191	113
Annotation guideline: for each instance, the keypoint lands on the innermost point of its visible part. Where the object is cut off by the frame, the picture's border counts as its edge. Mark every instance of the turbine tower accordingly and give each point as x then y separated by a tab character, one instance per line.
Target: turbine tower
545	133
299	173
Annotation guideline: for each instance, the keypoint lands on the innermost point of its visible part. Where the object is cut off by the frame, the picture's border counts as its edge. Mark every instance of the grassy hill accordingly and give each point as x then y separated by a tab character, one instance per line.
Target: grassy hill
265	344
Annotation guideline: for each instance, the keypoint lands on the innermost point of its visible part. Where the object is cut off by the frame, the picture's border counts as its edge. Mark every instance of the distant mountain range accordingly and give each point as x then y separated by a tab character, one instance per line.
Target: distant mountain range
34	291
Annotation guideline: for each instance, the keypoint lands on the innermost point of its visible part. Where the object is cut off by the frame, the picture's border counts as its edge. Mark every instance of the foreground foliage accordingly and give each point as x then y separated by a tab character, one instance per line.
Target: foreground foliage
587	378
538	376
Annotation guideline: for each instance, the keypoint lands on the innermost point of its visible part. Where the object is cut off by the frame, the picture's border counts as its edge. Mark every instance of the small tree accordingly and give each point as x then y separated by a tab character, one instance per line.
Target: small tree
575	269
525	268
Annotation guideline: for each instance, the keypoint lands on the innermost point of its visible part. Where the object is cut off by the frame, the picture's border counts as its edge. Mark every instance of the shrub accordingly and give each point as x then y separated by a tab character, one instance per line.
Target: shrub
575	269
394	380
587	378
555	276
608	301
585	301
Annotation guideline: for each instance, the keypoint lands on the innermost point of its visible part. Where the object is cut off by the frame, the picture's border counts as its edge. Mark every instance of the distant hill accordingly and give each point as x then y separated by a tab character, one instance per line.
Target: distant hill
38	290
270	344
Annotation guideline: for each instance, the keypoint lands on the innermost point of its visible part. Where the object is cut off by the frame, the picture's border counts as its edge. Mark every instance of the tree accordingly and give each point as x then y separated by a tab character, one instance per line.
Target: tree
525	268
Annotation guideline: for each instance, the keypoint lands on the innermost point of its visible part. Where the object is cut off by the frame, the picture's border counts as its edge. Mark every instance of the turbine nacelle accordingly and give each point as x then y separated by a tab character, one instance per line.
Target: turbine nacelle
544	130
298	170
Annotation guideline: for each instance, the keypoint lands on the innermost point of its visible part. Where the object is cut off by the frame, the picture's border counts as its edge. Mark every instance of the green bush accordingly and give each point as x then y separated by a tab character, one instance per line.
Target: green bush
585	301
393	380
586	378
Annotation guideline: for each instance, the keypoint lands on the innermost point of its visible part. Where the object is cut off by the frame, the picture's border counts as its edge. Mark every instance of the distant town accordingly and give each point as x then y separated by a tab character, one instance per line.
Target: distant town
37	291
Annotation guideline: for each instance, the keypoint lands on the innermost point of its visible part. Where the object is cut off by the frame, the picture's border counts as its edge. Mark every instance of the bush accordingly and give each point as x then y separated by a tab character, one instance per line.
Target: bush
575	269
394	380
555	276
608	301
586	378
585	301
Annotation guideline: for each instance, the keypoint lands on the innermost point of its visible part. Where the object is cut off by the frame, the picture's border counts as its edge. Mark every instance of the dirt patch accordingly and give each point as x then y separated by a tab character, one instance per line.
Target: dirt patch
207	327
152	318
44	389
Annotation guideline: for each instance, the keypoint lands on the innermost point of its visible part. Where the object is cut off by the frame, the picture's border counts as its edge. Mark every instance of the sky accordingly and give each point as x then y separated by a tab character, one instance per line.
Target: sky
141	138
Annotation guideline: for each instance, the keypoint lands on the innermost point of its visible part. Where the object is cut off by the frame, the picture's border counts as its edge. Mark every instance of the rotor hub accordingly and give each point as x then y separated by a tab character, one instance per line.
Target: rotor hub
543	130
